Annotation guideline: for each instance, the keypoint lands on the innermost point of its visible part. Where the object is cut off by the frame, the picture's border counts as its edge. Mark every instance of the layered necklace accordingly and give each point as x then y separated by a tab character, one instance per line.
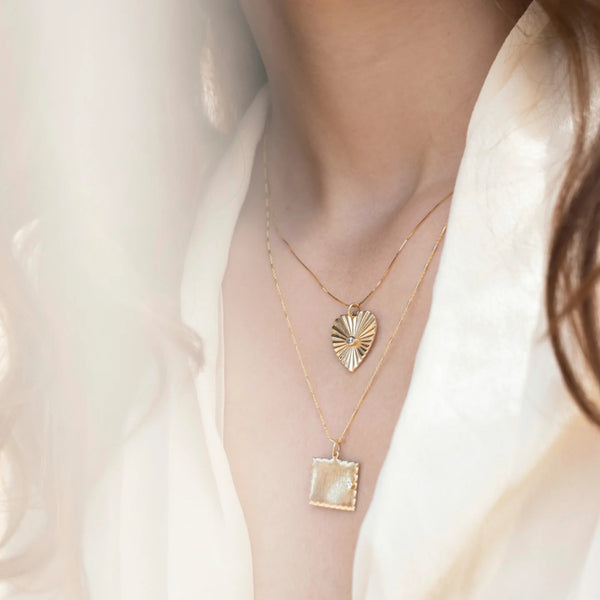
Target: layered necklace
334	482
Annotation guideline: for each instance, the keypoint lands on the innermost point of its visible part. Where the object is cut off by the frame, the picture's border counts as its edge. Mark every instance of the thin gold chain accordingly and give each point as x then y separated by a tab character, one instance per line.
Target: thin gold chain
338	441
312	273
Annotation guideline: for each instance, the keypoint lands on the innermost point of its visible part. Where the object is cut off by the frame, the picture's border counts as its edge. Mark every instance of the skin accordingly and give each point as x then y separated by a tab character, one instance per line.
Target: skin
370	107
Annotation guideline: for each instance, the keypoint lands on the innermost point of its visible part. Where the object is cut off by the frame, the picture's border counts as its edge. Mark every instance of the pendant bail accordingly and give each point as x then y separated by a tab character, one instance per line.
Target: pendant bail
353	309
335	452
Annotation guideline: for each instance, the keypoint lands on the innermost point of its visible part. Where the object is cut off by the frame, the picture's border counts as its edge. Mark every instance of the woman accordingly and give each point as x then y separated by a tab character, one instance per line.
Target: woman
443	427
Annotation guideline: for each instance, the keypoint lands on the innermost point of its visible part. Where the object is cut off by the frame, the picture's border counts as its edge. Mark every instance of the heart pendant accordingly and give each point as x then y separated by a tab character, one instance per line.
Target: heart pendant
352	336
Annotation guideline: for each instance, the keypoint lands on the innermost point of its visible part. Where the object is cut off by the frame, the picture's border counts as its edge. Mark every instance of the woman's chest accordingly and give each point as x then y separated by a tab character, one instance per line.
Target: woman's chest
274	425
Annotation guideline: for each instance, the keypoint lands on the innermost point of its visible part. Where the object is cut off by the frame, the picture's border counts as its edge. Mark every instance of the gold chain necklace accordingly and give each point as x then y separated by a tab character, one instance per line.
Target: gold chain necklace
353	333
334	482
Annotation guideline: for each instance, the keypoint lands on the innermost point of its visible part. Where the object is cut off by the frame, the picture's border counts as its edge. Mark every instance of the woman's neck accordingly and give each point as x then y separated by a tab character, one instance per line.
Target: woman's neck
371	100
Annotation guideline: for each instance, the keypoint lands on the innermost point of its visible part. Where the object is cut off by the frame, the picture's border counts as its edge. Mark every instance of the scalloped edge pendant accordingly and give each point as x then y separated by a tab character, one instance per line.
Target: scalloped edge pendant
352	336
334	483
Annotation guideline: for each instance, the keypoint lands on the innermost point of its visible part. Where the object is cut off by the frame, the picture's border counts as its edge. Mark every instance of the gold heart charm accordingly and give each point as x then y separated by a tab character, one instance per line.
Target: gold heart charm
352	336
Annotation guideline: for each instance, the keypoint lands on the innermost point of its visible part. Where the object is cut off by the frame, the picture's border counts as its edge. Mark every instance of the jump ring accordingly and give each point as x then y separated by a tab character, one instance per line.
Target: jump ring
353	307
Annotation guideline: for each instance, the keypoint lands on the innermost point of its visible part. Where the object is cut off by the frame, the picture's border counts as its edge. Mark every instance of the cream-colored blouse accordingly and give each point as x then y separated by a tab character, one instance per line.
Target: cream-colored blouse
491	486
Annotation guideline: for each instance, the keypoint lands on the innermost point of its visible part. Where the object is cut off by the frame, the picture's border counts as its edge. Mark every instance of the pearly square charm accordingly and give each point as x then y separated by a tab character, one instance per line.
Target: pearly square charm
334	483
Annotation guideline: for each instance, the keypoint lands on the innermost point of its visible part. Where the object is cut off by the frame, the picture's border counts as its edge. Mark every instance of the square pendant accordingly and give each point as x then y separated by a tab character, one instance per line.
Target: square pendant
334	483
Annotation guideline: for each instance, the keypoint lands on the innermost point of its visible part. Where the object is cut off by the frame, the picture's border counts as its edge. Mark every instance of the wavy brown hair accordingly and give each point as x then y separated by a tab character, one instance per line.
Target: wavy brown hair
573	267
37	437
